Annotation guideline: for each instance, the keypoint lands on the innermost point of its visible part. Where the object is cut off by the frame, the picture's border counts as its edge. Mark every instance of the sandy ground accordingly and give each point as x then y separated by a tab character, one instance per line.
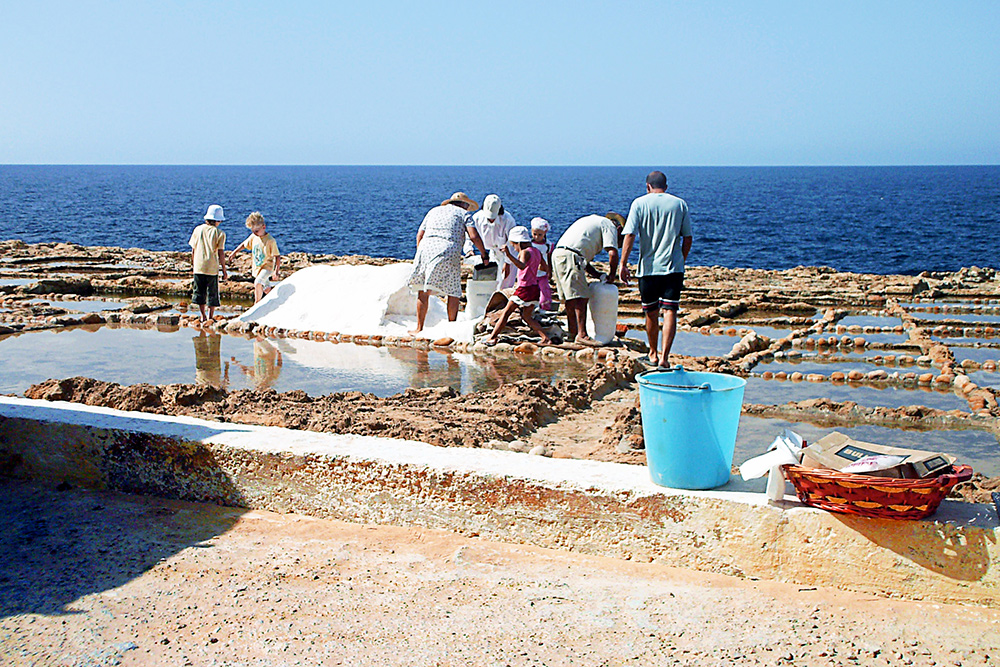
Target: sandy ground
97	578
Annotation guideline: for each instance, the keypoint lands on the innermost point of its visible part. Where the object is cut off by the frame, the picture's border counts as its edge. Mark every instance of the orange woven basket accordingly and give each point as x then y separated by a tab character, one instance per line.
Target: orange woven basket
875	497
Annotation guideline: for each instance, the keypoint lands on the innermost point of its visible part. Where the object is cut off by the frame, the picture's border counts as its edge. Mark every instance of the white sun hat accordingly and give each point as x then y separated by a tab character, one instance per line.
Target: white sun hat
491	206
519	234
215	213
540	223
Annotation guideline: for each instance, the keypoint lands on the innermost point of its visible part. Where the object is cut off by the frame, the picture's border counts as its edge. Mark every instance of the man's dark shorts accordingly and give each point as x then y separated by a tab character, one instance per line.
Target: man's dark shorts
205	291
662	291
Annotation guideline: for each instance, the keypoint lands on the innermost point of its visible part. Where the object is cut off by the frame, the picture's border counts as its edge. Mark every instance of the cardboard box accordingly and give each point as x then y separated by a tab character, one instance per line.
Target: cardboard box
836	451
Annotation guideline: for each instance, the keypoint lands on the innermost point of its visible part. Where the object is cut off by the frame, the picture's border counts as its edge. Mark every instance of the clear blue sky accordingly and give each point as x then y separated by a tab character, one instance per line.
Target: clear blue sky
506	83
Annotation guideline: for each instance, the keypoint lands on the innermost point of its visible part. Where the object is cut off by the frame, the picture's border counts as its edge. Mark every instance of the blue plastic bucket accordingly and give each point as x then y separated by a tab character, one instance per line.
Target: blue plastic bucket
689	423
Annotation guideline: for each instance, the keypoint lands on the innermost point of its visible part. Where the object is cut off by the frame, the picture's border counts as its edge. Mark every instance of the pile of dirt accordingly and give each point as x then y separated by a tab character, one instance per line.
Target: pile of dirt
439	416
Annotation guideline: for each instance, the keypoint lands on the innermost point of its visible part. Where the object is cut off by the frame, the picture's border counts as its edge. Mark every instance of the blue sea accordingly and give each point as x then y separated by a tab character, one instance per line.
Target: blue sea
866	219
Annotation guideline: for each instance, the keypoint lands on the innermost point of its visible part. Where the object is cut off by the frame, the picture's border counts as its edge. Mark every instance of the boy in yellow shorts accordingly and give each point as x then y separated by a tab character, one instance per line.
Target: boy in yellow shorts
264	250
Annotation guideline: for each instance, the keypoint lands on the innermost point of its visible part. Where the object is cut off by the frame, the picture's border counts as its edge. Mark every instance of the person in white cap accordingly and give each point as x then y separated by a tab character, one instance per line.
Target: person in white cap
528	260
540	241
494	225
208	255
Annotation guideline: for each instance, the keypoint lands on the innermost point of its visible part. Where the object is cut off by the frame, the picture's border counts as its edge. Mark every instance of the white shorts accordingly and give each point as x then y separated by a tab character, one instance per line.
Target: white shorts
264	278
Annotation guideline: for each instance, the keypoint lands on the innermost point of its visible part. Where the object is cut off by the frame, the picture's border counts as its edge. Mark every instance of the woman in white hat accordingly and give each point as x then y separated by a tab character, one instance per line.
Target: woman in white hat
437	266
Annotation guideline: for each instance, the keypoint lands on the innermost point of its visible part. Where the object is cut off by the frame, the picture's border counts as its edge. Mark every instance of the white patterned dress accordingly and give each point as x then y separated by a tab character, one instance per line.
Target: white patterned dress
437	266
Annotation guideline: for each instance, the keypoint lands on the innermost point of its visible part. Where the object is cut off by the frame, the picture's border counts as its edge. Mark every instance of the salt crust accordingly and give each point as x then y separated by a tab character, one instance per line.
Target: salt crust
355	300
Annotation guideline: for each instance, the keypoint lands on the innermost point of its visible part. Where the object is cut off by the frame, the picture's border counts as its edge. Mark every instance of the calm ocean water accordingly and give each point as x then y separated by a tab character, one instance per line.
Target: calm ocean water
870	219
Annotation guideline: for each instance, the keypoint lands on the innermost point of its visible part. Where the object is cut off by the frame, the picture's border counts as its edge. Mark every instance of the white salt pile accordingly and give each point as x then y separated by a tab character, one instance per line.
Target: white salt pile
356	300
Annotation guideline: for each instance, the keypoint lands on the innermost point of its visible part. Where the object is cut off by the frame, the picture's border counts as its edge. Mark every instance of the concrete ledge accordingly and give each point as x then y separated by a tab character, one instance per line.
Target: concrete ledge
597	508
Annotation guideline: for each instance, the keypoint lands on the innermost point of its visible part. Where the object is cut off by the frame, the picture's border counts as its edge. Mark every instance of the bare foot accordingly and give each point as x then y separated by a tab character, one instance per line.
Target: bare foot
588	341
414	332
545	341
654	359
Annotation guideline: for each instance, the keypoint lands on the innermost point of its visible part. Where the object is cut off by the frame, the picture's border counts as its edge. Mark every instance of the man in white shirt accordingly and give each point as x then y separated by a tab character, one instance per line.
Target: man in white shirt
574	251
494	225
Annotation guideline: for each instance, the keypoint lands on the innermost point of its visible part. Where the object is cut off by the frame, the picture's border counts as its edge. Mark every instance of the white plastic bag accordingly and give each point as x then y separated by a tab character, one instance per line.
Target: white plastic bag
786	449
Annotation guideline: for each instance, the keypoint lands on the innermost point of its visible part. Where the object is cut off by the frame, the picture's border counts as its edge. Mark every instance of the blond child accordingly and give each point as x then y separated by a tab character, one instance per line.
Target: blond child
526	292
264	250
208	255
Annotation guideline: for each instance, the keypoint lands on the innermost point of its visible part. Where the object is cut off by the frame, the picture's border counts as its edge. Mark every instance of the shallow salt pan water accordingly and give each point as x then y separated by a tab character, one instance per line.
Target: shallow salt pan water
986	379
774	392
83	306
977	354
980	449
972	318
130	356
693	344
870	321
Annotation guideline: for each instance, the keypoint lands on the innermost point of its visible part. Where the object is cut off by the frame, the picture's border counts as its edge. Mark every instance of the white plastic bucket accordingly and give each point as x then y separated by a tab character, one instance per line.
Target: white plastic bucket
477	296
602	312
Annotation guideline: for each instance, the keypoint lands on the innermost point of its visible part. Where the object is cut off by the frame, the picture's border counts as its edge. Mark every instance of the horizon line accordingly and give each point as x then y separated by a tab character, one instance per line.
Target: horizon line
491	166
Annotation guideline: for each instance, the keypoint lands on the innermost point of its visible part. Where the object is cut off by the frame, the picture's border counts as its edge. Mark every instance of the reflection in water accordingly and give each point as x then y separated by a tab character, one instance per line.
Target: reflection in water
266	365
283	364
208	360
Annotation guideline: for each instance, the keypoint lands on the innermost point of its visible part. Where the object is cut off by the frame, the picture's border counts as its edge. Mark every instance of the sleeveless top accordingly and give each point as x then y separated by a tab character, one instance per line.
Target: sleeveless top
529	274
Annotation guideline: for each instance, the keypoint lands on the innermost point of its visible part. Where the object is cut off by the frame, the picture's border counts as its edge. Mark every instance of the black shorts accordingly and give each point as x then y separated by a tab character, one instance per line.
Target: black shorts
661	291
205	290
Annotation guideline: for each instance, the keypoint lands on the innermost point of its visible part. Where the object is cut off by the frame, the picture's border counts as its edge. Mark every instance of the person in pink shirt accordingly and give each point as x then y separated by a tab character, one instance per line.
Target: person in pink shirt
526	290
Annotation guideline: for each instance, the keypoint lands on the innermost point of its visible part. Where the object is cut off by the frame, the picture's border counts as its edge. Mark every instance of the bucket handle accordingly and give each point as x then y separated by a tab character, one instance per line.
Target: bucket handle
702	386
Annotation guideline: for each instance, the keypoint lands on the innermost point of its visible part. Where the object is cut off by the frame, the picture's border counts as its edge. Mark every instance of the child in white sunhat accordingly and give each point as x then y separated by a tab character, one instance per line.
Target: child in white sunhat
526	293
266	258
208	257
539	241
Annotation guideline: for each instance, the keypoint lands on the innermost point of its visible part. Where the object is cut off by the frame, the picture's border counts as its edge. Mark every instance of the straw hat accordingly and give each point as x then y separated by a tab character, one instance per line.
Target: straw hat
461	197
616	218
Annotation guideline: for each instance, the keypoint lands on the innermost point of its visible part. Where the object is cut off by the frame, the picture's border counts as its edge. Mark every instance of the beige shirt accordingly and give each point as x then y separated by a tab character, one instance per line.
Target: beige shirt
206	242
589	236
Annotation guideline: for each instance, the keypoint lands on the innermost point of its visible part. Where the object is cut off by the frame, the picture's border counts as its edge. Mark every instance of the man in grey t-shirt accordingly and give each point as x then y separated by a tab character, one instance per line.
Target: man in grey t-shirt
576	248
663	227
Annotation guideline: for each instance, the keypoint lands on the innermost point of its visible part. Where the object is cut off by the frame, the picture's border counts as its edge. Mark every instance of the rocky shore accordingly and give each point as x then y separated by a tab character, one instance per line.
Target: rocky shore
805	309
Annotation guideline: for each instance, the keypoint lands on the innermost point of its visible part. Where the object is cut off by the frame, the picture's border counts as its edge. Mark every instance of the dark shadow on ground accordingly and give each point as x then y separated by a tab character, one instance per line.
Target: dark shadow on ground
938	544
57	546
